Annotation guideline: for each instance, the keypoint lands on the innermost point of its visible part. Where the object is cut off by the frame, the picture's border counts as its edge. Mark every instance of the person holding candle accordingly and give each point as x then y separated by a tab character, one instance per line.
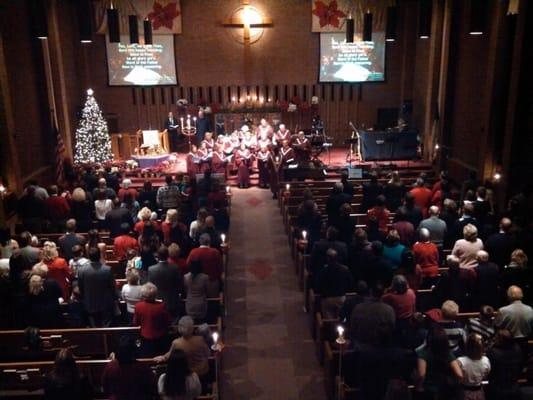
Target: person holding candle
243	160
263	156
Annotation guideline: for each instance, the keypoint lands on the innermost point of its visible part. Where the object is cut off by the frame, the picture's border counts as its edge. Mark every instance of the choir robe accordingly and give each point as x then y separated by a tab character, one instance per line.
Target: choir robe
193	164
279	137
274	169
243	160
218	163
286	156
250	143
262	165
264	131
209	144
205	160
302	149
264	143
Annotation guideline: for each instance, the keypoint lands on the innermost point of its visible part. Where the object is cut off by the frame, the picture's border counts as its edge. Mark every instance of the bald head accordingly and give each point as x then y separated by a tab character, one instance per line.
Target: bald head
434	211
505	224
514	293
424	235
482	256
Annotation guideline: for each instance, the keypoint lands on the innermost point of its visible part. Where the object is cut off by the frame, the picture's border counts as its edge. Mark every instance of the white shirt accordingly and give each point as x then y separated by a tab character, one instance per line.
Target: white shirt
102	207
474	371
193	388
132	295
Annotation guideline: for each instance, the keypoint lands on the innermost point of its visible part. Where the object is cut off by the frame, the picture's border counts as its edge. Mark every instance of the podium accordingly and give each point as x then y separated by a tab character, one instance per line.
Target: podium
126	144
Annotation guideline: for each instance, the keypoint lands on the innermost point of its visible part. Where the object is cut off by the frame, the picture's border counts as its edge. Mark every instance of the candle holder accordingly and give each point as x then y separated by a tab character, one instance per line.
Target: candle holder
341	341
188	129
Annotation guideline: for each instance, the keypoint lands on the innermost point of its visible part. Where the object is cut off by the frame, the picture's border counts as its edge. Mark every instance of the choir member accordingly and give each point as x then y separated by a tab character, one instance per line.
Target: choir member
209	141
264	130
263	143
263	156
286	154
218	161
249	141
282	134
205	157
243	160
193	161
274	169
302	148
235	141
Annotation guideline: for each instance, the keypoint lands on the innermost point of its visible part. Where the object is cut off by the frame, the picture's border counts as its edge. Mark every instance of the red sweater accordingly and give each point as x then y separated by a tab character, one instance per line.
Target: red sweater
403	304
122	244
210	259
153	319
427	256
57	208
422	198
59	271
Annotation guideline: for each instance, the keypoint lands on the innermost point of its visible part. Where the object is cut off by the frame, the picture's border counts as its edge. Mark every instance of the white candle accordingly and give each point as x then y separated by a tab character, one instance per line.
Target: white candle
181	119
288	186
228	189
304	235
223	237
188	123
2	189
277	159
215	337
233	99
340	331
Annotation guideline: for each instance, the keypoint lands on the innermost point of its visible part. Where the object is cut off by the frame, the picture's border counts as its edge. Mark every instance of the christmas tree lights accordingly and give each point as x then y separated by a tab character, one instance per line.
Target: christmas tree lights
93	143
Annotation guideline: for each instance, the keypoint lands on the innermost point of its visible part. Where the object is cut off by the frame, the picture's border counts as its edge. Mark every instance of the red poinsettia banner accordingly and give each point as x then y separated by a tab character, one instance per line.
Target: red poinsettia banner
164	14
330	15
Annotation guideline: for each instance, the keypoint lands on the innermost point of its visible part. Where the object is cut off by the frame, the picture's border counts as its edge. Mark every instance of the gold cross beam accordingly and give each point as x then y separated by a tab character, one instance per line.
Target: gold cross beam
247	17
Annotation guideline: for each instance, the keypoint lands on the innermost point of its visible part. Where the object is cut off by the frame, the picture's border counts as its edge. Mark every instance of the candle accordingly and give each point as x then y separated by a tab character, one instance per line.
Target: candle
288	187
277	159
233	99
194	122
304	235
261	99
215	337
2	188
181	119
223	237
248	98
340	331
228	189
188	122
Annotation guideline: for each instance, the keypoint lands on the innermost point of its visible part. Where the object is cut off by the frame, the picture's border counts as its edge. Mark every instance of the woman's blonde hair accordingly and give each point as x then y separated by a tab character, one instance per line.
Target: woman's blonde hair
78	194
449	309
144	214
149	292
35	286
132	276
519	257
172	216
40	269
173	251
470	232
49	252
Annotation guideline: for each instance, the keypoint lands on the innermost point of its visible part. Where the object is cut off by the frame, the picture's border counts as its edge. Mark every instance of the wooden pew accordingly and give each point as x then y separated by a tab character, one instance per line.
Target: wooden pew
27	379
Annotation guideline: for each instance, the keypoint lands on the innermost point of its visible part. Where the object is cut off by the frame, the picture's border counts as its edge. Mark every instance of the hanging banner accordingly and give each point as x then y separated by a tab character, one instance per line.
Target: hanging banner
164	14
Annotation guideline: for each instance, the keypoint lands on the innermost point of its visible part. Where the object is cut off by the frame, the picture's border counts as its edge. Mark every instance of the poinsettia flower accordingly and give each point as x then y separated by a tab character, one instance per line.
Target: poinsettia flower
163	16
328	14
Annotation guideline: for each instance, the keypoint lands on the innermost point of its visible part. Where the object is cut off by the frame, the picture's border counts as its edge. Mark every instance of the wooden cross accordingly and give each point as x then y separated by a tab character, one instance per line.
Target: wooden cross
248	18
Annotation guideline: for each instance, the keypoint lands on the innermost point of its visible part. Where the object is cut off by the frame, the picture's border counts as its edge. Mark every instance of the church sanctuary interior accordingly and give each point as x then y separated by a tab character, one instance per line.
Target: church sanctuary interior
266	199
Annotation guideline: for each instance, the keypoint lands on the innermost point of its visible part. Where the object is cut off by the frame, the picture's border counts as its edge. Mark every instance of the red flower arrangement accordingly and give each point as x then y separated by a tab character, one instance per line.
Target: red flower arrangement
328	14
163	16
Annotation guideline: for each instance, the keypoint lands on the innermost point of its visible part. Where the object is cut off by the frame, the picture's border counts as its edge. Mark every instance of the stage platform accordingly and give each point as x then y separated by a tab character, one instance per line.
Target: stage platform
334	163
150	161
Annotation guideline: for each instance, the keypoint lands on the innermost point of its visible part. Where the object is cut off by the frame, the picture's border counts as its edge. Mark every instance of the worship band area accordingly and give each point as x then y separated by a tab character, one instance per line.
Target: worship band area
198	230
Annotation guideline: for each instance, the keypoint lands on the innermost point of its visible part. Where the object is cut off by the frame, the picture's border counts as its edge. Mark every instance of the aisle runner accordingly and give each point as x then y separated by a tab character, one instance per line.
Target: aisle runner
270	354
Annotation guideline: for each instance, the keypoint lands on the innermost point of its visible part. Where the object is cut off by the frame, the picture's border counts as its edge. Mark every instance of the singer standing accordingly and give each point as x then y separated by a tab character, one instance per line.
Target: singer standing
171	125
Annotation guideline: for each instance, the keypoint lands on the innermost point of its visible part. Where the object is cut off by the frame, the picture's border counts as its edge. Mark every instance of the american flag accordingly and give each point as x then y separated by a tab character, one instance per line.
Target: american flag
60	154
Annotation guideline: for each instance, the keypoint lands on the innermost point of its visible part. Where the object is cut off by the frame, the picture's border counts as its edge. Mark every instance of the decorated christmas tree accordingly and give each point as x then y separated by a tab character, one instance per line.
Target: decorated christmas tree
93	143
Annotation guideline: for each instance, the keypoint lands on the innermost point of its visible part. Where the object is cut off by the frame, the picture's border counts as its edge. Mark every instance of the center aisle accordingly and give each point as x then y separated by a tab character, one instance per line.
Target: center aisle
269	354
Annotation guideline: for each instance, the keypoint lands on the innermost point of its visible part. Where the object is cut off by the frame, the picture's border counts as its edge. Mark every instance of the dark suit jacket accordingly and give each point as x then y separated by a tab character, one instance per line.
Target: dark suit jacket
30	255
318	253
168	124
115	218
500	246
333	205
97	287
169	282
67	241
